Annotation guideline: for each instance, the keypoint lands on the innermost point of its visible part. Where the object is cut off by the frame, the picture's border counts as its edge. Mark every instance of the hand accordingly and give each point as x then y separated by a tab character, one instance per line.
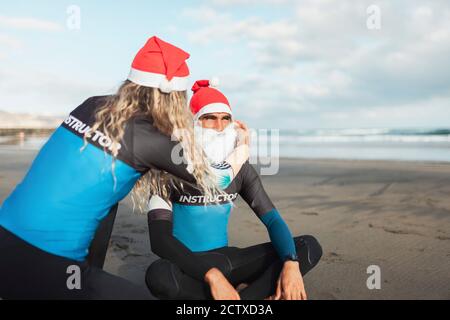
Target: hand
243	133
290	283
241	153
221	289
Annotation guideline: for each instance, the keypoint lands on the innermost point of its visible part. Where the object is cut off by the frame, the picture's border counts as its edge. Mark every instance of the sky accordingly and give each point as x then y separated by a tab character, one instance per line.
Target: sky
282	63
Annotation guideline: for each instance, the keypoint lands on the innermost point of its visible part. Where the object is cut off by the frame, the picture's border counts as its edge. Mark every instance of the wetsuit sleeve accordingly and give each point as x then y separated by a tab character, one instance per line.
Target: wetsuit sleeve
252	191
166	246
152	149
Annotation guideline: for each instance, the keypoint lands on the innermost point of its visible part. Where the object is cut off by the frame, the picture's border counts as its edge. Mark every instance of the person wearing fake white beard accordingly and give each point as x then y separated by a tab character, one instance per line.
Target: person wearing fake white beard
224	142
222	139
217	145
189	230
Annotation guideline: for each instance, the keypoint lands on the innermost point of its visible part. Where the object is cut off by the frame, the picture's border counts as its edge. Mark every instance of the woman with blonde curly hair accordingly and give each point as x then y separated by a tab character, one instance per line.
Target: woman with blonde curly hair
102	150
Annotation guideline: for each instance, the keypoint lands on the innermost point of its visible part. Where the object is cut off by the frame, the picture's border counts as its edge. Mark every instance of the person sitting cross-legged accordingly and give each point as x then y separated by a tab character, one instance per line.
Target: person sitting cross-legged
188	231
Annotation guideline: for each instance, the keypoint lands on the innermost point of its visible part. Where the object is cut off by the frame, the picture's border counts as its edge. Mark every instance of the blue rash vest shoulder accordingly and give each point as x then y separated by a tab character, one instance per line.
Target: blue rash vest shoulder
60	202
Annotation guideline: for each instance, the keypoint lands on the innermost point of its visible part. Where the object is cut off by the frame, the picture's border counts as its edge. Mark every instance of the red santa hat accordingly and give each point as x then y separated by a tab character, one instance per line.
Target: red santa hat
207	99
160	65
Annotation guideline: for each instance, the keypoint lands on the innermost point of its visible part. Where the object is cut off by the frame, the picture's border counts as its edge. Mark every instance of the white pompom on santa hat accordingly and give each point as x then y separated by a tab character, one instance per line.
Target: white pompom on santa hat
207	99
159	64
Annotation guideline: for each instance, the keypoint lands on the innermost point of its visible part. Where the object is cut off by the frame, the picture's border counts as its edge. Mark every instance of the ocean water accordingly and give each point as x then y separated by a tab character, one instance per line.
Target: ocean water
412	144
16	143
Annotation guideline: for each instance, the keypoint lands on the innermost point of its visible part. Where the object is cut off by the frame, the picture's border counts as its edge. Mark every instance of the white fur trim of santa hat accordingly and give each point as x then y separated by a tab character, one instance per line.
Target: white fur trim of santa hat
156	80
212	108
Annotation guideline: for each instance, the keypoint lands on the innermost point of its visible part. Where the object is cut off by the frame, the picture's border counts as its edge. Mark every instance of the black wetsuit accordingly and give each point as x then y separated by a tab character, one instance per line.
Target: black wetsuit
189	233
48	222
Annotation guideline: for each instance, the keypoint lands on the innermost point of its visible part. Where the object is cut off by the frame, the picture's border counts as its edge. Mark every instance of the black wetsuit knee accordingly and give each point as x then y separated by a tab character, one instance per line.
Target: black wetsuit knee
309	251
161	279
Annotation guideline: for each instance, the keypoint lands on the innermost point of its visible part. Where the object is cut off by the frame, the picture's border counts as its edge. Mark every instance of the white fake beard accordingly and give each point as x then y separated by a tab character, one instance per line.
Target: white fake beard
216	145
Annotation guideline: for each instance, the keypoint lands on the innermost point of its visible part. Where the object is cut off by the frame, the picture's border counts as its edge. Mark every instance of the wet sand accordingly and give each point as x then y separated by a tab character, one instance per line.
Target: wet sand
395	215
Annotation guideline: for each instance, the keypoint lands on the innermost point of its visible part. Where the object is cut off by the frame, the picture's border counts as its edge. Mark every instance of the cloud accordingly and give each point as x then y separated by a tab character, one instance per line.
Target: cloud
320	57
10	42
224	27
43	92
31	89
29	23
420	113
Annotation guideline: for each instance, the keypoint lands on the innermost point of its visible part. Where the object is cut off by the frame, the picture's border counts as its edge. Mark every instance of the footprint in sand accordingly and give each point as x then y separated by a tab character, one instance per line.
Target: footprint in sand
432	202
127	225
381	191
139	231
117	238
309	213
332	257
401	231
120	246
326	296
120	242
134	255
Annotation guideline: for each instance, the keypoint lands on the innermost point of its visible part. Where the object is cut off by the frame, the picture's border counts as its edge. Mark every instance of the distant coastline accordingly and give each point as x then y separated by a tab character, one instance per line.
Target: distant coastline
26	131
25	123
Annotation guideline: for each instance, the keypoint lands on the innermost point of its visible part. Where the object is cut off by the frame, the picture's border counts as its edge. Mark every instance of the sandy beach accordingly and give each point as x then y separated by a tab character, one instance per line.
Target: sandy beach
395	215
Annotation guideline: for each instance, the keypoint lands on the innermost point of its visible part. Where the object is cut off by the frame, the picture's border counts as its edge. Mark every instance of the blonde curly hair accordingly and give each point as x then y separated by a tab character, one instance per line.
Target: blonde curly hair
172	117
